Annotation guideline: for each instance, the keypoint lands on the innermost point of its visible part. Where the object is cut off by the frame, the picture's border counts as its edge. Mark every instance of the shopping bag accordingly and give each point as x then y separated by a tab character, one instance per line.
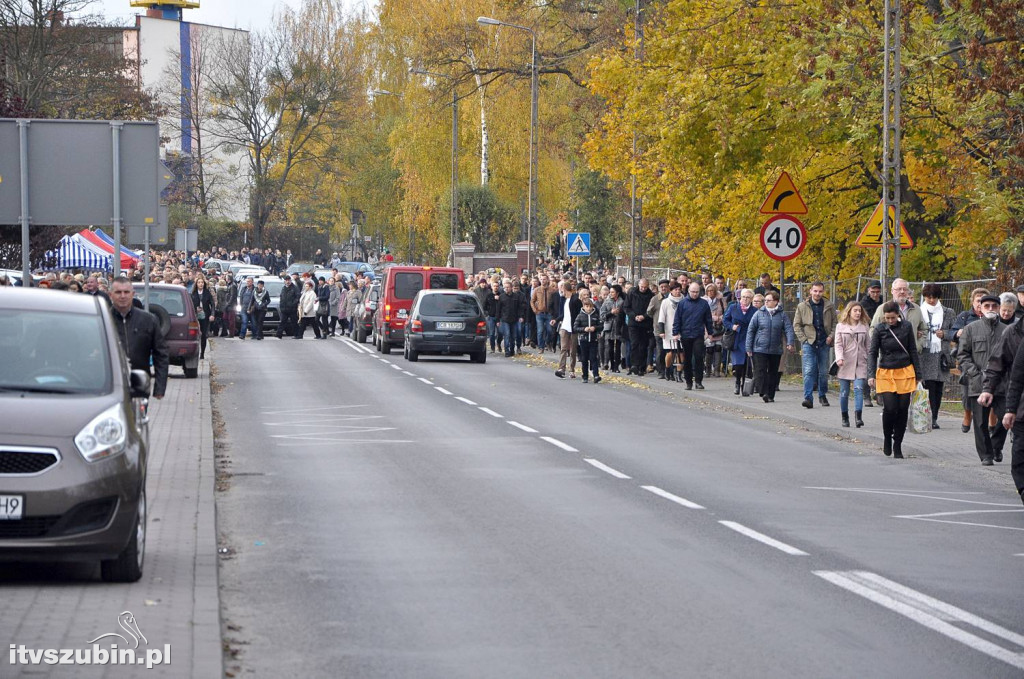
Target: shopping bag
748	379
920	420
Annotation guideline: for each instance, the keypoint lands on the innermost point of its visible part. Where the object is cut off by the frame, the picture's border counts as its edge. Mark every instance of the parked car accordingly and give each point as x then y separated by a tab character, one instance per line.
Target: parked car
352	268
300	268
73	436
370	303
241	270
218	266
446	322
401	283
273	285
172	305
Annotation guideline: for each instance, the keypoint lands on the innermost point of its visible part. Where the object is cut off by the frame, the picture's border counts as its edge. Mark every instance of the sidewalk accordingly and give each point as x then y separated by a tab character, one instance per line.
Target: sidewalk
946	445
176	602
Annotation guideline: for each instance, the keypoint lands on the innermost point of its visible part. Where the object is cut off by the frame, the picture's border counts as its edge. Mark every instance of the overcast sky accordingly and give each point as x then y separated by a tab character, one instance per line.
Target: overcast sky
247	14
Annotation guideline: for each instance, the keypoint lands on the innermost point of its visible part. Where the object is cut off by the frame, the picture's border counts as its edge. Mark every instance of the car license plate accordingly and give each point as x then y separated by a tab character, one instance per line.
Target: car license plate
450	325
402	313
11	506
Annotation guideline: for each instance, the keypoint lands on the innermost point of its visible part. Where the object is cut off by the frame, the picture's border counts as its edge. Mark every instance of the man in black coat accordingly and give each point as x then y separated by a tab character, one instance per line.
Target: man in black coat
140	335
289	306
640	325
510	314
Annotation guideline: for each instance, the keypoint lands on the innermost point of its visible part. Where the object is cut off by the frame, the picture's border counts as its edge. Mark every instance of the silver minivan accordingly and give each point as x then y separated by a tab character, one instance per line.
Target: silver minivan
73	435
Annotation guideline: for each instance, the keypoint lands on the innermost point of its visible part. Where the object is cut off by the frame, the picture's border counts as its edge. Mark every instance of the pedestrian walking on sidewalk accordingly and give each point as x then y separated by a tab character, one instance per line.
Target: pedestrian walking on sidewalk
692	320
769	327
737	317
974	350
814	324
666	315
614	325
852	358
893	368
567	309
203	301
588	326
1014	418
935	358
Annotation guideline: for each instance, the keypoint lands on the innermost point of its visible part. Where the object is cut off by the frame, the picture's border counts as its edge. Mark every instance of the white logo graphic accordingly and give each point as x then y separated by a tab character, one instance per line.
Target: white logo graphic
95	654
127	622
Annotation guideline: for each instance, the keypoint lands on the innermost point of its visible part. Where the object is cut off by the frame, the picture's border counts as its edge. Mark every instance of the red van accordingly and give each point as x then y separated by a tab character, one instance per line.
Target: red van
401	283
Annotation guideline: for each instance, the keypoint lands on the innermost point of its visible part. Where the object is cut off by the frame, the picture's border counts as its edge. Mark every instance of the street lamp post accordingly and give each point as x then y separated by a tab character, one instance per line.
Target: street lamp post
453	228
534	131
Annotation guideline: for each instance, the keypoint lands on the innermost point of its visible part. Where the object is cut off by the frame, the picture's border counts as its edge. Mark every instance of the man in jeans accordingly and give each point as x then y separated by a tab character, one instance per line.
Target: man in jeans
814	325
540	300
245	296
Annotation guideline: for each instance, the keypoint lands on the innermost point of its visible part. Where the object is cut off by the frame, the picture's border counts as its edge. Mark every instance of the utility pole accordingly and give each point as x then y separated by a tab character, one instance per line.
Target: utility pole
636	266
891	132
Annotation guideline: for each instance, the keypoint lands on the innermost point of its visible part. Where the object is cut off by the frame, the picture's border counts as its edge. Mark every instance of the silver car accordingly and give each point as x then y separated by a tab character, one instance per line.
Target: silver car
73	435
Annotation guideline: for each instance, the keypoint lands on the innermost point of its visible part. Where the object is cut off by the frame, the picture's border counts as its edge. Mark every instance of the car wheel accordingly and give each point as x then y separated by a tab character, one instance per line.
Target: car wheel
478	357
385	346
361	335
127	567
411	355
191	368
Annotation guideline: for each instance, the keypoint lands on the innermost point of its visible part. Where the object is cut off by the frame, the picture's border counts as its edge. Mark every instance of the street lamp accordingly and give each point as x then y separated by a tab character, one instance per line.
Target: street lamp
453	228
534	132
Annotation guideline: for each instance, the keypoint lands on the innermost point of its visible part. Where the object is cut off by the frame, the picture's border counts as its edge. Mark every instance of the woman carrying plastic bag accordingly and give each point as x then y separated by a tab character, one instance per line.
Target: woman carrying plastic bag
920	411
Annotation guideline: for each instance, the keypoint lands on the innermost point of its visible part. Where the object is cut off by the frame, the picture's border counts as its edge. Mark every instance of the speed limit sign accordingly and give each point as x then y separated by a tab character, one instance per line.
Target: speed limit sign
783	237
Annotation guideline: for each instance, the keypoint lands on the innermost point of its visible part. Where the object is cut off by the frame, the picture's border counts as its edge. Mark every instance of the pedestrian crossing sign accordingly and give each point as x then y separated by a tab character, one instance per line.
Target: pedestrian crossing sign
871	235
579	244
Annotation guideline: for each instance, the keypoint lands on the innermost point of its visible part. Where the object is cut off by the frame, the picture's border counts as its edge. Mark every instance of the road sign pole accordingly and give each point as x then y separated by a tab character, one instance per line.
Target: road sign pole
26	269
115	132
145	268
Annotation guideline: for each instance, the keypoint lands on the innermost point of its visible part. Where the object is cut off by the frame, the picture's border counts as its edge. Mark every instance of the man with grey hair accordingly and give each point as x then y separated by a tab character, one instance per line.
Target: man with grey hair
910	312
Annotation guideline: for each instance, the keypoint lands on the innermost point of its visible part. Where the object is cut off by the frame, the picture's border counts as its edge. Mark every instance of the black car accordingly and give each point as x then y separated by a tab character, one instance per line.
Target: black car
447	322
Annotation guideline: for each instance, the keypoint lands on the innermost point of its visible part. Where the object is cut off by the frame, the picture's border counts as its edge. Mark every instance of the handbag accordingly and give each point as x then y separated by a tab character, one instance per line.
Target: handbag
833	369
920	419
321	309
748	379
728	339
944	364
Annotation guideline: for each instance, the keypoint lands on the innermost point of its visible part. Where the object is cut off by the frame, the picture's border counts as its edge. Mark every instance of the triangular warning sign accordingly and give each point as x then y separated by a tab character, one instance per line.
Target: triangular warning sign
871	235
578	247
784	198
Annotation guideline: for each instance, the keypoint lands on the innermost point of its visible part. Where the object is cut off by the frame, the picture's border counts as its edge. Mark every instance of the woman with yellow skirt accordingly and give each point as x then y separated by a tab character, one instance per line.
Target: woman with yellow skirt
893	370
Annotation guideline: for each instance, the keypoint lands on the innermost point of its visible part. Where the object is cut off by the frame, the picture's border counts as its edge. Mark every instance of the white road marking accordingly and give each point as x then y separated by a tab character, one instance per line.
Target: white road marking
931	517
762	538
306	410
443	391
556	442
674	498
335	441
919	493
424	380
528	430
340	431
384	360
491	412
396	367
465	400
406	372
931	613
352	345
605	468
325	419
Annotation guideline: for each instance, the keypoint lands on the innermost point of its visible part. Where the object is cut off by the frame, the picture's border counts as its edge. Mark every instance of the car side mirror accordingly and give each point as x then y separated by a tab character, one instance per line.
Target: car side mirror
138	380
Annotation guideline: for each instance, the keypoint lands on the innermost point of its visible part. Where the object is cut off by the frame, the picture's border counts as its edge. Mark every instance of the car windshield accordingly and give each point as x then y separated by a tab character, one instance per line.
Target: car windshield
51	352
171	300
353	267
449	305
273	287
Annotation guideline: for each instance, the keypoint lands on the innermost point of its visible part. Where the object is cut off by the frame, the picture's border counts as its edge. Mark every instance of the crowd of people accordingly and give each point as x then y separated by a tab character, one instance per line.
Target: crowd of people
688	330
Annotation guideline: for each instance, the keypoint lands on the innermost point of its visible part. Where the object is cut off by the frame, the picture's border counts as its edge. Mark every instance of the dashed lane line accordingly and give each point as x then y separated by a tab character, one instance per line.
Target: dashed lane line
424	380
672	498
396	366
492	413
605	468
443	391
556	442
465	400
406	372
764	539
528	430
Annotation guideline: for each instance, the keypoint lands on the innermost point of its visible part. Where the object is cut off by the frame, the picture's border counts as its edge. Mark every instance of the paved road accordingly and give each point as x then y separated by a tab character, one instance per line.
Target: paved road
445	519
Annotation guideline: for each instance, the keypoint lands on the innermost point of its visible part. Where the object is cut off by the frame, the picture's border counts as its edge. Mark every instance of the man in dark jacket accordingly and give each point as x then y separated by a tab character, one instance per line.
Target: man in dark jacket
139	334
963	319
975	348
289	305
641	326
692	320
509	315
491	309
1014	418
872	299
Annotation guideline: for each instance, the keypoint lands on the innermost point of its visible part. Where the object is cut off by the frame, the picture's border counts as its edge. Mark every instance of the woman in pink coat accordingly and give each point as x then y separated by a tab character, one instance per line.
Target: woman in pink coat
852	358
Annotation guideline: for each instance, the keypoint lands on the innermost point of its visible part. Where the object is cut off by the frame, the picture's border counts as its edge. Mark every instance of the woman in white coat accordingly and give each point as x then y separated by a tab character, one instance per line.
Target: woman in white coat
852	340
307	311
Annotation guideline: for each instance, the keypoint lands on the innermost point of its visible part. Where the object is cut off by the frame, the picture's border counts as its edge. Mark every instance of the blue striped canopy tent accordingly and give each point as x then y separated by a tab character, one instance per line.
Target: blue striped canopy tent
70	254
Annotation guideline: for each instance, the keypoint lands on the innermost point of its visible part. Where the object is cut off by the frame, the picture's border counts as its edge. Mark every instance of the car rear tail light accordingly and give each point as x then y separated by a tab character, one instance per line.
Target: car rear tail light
416	326
193	329
387	312
481	328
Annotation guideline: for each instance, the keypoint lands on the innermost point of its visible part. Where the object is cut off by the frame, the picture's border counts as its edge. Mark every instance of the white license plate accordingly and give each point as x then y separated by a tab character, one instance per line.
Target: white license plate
11	506
403	313
450	325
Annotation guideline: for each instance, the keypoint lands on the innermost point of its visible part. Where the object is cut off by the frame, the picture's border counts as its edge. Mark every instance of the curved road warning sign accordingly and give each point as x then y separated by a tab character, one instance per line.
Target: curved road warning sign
784	198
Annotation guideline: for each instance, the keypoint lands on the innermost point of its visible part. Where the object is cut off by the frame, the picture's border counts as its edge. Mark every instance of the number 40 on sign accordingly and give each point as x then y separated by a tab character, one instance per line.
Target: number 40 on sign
783	237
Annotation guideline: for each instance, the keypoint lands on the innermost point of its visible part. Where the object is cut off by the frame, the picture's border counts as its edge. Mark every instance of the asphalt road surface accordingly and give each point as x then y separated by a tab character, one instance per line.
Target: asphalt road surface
446	519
